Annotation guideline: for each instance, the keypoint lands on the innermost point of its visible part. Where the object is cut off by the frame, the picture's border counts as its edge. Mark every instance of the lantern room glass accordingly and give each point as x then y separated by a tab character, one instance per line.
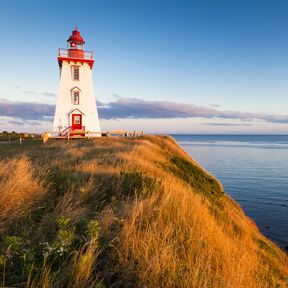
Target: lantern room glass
75	45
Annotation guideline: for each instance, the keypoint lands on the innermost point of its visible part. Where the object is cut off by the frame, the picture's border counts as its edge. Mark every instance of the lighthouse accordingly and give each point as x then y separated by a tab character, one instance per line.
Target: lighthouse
76	112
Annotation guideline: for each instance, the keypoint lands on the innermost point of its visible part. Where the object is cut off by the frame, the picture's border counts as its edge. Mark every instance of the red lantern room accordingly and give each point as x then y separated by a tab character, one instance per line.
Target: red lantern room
75	40
75	50
75	44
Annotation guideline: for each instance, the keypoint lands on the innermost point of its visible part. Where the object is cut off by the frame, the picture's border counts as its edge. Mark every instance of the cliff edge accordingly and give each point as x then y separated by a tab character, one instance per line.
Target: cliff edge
120	212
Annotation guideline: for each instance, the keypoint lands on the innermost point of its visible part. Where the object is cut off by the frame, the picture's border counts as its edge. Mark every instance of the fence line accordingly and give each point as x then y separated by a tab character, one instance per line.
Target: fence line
91	134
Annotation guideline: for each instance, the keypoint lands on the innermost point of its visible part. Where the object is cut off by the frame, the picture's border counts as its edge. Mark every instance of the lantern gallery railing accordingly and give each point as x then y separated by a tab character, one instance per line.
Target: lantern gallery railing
75	53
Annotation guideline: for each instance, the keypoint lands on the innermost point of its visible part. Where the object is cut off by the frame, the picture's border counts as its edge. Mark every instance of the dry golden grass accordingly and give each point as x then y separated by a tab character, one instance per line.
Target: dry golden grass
184	247
19	189
157	226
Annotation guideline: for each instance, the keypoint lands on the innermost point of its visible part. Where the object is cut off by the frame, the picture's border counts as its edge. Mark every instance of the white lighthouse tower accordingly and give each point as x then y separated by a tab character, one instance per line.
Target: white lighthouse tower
76	112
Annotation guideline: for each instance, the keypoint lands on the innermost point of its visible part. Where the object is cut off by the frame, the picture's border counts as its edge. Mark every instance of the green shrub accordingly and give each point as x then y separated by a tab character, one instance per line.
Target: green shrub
13	243
93	230
64	237
137	182
265	246
196	178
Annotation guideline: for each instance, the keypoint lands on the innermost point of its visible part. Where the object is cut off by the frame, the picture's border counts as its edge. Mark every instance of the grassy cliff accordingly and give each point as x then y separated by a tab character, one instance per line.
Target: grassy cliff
121	212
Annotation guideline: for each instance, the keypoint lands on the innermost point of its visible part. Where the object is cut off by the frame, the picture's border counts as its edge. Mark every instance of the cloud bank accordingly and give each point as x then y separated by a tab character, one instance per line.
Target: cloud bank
132	108
228	124
136	108
26	110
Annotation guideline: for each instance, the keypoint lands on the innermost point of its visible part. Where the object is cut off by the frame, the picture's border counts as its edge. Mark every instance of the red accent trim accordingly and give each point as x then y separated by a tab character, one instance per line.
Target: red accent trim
81	60
76	125
76	88
74	132
76	37
75	53
76	109
77	128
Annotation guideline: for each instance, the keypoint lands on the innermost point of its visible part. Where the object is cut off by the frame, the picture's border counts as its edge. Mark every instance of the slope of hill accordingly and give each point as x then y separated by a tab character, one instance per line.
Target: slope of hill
119	212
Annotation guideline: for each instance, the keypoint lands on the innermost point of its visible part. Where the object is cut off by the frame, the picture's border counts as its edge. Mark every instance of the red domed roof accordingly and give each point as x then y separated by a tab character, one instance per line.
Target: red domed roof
76	37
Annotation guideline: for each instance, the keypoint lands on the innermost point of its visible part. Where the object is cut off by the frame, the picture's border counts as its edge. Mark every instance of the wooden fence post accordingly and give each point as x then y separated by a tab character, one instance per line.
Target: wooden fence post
45	137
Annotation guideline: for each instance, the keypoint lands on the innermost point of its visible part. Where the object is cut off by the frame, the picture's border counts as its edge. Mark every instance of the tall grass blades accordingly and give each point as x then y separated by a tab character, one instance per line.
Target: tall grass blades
120	212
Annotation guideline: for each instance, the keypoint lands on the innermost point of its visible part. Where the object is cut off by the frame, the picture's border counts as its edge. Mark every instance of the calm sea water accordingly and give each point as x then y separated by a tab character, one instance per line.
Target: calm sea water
253	170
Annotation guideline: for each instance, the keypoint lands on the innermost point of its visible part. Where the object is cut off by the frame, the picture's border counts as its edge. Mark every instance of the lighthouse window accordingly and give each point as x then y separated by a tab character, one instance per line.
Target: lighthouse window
75	73
77	120
76	97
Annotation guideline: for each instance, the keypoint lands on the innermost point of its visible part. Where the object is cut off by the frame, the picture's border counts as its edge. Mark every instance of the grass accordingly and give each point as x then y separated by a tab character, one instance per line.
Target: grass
124	213
194	176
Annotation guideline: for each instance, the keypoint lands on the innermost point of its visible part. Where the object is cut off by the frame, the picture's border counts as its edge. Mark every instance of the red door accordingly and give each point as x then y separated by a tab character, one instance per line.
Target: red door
76	121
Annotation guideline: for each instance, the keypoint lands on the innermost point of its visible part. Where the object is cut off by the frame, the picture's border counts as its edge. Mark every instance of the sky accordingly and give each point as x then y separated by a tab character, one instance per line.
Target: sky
168	66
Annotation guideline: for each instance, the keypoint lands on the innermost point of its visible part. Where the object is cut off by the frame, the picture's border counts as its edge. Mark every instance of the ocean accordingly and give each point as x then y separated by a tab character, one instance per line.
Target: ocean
253	170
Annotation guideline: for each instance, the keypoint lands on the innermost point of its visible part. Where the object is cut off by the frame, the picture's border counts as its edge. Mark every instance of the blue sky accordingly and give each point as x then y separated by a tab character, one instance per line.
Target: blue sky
160	66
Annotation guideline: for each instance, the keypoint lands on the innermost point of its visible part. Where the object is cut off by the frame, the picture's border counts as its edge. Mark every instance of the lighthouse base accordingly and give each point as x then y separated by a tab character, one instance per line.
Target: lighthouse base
74	131
68	136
